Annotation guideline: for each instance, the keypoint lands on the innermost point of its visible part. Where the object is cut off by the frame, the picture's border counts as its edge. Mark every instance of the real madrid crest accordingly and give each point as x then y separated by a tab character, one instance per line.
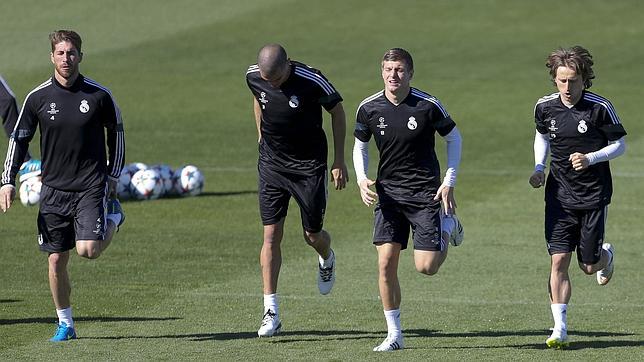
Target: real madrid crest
294	102
84	106
582	127
412	124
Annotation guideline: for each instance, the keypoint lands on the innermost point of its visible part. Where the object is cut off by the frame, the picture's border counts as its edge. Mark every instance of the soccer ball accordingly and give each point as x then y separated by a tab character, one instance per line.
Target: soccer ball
146	185
30	191
167	178
188	181
123	185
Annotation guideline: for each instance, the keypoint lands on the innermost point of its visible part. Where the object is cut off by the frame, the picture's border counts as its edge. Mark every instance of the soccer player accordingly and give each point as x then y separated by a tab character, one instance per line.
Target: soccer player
288	101
582	132
74	114
409	193
9	115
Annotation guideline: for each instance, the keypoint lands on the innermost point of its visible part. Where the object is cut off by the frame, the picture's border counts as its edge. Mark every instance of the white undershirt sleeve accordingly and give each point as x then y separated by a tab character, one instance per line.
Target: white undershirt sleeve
360	159
541	148
612	150
454	145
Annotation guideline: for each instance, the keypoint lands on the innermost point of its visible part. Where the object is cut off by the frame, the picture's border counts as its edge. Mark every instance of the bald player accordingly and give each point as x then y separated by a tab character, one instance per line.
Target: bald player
288	100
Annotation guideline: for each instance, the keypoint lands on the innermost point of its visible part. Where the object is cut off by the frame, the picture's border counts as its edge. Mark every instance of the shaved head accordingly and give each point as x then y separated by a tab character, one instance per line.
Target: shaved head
273	63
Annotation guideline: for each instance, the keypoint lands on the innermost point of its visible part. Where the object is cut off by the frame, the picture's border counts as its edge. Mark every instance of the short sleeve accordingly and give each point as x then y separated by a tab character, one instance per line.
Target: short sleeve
362	131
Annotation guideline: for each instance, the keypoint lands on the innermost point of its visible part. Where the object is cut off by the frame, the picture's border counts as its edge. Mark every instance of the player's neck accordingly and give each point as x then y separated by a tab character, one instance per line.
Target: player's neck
398	95
66	82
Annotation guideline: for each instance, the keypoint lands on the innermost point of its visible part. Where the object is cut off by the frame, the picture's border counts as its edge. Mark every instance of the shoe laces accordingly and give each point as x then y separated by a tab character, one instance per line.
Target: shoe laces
326	273
269	316
61	331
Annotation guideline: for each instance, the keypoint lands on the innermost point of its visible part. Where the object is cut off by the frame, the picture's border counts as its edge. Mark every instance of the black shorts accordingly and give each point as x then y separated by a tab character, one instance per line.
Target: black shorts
310	193
570	229
392	223
66	216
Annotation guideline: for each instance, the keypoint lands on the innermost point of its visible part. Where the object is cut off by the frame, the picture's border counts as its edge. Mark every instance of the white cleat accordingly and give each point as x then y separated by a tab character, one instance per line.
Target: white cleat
604	275
558	340
271	325
326	276
456	237
390	344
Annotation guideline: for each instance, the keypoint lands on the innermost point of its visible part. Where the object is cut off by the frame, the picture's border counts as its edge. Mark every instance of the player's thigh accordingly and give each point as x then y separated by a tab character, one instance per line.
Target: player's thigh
310	193
55	221
273	196
90	222
425	224
562	229
593	227
390	225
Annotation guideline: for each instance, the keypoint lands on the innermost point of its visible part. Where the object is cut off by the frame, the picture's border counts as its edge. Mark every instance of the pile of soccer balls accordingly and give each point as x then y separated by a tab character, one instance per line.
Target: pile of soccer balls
140	182
137	182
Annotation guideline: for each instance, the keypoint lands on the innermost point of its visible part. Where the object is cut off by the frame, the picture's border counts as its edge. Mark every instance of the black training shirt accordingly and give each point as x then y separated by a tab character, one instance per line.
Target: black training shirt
72	124
408	171
586	127
293	139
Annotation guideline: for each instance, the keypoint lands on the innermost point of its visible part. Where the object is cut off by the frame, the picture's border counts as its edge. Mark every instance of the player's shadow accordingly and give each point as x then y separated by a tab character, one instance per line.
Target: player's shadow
284	337
227	193
85	319
2	301
594	344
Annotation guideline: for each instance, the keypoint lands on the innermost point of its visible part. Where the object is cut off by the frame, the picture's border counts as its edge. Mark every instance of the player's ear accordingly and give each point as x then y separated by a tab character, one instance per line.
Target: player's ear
80	57
51	56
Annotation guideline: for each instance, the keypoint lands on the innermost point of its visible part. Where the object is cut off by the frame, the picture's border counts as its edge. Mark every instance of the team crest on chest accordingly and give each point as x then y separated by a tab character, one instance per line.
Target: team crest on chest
84	106
582	127
294	102
412	124
382	125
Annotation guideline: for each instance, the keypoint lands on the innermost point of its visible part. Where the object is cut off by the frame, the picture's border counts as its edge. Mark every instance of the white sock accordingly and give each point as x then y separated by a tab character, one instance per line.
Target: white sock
115	218
65	316
328	262
559	314
270	302
393	323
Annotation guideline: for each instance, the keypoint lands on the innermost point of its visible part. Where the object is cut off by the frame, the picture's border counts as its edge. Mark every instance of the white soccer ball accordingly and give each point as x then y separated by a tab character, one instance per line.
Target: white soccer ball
30	191
188	181
167	178
146	185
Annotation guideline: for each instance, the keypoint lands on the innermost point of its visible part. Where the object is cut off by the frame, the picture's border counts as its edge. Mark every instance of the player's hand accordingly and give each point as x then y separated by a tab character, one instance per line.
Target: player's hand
579	161
111	188
368	196
7	194
537	179
339	175
446	195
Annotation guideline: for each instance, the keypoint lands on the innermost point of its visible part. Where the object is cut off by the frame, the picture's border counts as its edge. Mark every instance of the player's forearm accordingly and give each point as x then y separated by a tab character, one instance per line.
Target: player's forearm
360	159
15	155
339	127
257	111
613	150
541	147
454	147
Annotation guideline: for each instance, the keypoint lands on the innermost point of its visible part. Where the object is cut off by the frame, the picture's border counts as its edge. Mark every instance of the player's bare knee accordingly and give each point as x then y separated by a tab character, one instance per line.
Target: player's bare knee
313	238
88	250
427	269
588	269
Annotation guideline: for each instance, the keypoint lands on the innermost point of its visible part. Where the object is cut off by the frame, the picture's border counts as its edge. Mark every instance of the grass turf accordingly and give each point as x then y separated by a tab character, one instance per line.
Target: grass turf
181	281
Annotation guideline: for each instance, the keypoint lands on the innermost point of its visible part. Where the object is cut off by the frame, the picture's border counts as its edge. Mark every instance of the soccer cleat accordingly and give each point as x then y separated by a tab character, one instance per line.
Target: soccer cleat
114	207
390	344
456	237
326	276
604	275
271	325
557	340
29	169
63	333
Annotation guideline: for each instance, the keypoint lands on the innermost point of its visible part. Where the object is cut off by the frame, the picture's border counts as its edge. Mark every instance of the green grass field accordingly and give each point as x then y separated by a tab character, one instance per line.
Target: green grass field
182	279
